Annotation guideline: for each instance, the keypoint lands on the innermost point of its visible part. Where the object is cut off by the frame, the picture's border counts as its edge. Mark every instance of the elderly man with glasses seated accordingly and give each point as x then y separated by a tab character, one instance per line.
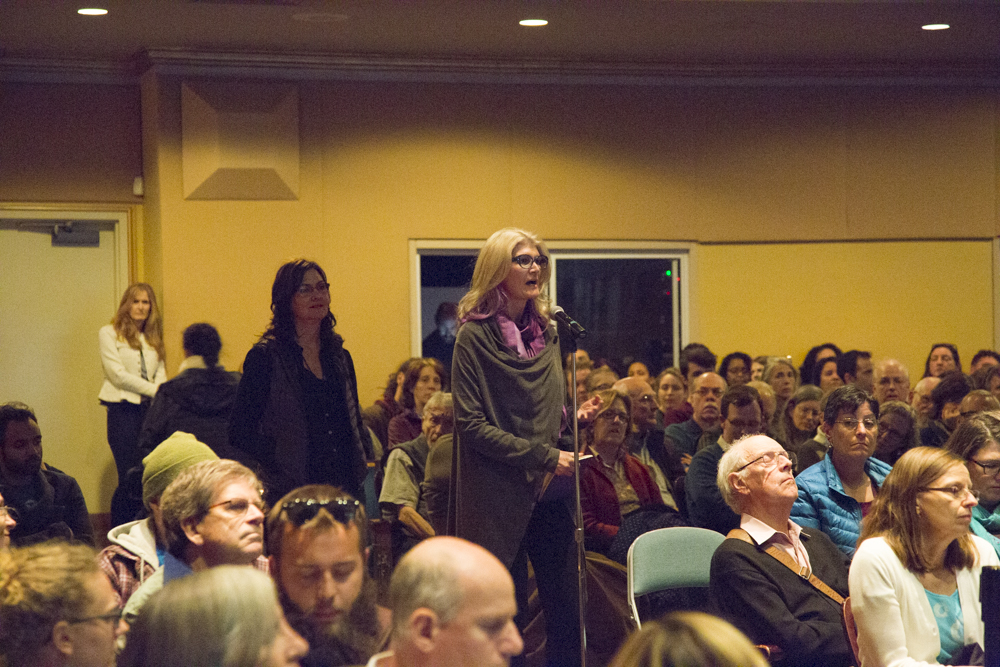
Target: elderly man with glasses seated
213	514
780	584
317	541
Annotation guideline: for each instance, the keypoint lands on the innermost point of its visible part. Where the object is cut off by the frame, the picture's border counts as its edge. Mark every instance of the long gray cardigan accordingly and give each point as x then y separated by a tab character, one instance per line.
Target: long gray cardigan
507	416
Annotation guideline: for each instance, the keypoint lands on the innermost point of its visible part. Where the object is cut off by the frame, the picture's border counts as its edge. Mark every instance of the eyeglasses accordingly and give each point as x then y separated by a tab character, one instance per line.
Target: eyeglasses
438	418
770	459
989	468
114	616
239	506
303	510
851	423
955	491
611	415
525	261
6	511
306	290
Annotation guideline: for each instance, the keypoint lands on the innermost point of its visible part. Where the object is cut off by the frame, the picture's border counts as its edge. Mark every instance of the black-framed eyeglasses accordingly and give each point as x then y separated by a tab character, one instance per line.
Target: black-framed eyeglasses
303	510
770	459
525	261
955	491
321	287
989	468
6	511
114	616
851	423
611	415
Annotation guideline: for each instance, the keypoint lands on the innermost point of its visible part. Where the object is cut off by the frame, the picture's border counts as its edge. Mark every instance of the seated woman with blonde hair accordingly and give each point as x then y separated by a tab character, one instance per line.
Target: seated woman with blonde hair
688	639
914	581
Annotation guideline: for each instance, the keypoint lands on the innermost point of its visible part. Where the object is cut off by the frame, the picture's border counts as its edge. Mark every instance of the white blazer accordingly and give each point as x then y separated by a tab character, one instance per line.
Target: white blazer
896	626
122	368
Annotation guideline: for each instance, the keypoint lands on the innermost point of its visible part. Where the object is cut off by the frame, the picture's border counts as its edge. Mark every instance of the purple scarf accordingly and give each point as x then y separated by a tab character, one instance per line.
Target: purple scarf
530	340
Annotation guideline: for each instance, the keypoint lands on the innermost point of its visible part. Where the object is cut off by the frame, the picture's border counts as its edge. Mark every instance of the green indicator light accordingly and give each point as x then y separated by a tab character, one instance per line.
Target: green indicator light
668	272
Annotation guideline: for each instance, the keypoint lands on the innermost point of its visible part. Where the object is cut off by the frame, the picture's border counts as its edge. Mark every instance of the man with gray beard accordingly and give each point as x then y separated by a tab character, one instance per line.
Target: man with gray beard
317	539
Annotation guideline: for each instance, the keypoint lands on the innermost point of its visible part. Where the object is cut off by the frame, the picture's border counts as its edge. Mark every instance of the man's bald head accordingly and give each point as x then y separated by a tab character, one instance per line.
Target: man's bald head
892	381
643	401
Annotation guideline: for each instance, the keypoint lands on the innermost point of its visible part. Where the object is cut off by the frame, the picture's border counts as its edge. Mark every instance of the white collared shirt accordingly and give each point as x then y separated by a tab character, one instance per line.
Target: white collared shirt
764	535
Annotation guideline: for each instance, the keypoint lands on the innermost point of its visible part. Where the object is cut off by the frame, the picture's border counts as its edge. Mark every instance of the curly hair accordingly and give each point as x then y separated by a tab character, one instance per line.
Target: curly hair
151	327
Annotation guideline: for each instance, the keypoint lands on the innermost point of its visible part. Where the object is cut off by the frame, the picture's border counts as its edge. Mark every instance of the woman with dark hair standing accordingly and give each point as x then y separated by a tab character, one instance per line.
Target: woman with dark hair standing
199	400
942	359
296	415
132	357
508	390
423	378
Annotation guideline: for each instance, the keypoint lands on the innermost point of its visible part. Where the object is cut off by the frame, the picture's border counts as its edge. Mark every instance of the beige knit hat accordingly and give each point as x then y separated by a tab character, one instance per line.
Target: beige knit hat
167	461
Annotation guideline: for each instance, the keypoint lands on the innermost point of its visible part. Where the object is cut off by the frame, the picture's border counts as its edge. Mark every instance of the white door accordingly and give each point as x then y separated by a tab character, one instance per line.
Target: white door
53	300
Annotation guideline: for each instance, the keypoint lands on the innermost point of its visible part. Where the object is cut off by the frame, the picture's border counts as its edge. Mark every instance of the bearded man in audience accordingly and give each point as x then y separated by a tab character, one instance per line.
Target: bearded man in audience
892	382
317	538
765	595
647	438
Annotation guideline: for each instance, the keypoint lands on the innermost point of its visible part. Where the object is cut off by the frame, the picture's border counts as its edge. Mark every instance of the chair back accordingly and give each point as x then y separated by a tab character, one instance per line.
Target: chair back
669	558
851	628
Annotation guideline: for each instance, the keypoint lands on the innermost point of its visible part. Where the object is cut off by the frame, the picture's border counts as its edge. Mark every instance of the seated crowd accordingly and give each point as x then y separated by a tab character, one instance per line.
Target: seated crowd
836	479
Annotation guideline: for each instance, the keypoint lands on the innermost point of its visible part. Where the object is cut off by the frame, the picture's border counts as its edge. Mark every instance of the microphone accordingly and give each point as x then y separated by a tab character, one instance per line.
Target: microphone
574	327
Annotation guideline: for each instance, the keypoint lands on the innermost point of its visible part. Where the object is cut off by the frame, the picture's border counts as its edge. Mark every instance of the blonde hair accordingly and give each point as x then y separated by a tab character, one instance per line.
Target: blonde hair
41	585
893	515
688	639
486	296
225	616
151	328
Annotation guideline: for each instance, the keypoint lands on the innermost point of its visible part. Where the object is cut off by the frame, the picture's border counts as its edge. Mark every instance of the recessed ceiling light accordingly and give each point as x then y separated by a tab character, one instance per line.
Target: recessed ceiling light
92	11
533	23
936	26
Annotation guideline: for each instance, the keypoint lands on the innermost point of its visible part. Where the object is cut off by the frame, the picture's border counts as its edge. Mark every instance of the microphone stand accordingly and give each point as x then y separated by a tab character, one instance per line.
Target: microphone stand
581	558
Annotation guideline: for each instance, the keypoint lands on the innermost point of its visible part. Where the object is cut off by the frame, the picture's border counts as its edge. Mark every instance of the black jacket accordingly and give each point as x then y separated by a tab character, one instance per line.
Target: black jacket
52	506
198	401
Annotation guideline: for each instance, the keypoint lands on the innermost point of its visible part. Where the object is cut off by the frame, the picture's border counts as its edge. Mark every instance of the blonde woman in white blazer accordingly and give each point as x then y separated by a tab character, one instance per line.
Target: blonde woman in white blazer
914	580
132	357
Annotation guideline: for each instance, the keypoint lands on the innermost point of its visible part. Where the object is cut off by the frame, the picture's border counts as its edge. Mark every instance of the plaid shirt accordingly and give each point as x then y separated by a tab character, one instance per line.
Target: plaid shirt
125	570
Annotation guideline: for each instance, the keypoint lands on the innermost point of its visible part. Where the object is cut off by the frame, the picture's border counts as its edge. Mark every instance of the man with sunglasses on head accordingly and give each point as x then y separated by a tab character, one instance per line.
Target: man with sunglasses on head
317	541
213	514
782	585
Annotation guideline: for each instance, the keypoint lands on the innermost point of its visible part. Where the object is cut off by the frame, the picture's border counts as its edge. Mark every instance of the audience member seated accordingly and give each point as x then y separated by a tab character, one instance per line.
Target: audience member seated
921	399
943	358
213	514
757	368
755	575
614	484
49	503
435	490
892	382
56	608
798	425
422	380
646	443
8	520
600	379
767	399
947	397
982	359
583	369
224	617
452	604
402	502
988	378
855	367
199	400
897	431
735	368
825	375
914	581
742	416
138	548
671	395
317	538
977	442
685	638
976	401
639	370
440	344
815	355
784	380
378	415
837	492
705	394
696	359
